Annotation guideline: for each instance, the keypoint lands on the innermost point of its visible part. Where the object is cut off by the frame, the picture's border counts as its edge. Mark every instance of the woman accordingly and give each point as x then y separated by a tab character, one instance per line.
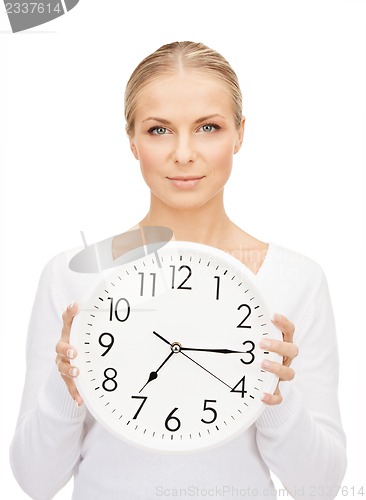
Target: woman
184	121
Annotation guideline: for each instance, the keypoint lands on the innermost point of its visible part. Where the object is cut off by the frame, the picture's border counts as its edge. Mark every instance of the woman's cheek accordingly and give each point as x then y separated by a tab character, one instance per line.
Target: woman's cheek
149	160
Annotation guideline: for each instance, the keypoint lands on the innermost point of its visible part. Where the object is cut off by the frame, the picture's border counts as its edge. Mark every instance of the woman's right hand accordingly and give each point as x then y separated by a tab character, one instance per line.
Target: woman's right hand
66	352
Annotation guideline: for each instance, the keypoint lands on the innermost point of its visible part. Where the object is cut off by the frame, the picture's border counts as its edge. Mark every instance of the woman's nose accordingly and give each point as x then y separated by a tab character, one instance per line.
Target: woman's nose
184	152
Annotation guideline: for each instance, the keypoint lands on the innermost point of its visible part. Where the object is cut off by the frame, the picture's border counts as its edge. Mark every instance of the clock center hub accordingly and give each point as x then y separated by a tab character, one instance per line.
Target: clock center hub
175	347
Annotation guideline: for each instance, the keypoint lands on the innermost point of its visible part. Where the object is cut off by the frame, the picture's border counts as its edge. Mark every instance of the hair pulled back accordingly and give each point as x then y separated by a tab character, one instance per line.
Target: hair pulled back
177	57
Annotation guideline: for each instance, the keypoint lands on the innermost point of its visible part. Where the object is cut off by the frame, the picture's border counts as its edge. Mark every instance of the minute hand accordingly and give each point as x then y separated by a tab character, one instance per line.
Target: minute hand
220	351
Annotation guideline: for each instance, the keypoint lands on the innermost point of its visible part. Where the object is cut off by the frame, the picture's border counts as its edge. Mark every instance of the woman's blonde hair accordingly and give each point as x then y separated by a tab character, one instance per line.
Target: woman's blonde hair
176	57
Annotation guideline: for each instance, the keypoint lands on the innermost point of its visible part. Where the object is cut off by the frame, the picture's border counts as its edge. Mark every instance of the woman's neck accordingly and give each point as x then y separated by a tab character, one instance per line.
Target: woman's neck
208	225
211	228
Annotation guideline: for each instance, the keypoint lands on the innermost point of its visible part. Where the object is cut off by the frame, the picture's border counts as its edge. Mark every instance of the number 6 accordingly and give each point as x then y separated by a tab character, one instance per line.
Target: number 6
169	418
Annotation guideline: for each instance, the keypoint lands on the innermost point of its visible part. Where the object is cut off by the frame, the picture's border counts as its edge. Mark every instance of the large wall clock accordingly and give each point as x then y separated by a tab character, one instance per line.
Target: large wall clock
168	349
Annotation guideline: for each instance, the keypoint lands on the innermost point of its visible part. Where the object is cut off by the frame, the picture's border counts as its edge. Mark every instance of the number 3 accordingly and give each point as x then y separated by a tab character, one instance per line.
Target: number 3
250	351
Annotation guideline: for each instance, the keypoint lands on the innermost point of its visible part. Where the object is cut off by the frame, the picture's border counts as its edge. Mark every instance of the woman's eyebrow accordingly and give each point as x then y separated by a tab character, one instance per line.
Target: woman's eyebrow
156	119
199	120
208	117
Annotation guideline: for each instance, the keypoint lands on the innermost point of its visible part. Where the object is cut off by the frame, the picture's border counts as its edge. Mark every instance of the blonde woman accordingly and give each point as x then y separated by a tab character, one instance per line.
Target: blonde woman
183	110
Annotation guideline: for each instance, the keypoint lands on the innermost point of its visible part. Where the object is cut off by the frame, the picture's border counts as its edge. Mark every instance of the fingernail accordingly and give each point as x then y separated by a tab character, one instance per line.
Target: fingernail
266	397
78	402
73	372
266	364
70	306
265	344
276	317
70	353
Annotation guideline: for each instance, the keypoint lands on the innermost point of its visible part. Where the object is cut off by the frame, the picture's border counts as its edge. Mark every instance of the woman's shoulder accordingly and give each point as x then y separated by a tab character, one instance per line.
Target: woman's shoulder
285	256
72	283
291	281
262	257
292	273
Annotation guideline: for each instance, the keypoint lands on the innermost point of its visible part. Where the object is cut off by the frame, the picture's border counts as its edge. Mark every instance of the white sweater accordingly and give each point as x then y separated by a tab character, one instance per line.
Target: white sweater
301	440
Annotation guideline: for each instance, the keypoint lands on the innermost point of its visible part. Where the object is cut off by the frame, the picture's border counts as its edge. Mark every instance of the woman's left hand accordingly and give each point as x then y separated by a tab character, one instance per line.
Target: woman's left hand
287	349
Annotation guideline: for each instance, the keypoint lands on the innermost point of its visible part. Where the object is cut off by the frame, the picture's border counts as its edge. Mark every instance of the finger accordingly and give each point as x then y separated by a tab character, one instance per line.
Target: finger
284	349
68	374
65	350
285	325
67	370
67	318
70	384
272	399
283	372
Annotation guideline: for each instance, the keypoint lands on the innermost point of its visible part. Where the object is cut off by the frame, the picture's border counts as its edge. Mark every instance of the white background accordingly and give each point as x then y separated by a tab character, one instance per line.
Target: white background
298	180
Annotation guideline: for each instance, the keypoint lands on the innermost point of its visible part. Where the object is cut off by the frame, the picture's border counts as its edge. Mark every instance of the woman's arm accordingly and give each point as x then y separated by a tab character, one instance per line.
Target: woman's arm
301	439
47	441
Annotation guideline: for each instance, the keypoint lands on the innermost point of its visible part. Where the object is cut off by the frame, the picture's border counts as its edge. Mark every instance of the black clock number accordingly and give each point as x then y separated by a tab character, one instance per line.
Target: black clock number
241	386
217	287
152	286
115	312
144	398
209	408
110	384
250	351
172	423
241	324
189	274
106	340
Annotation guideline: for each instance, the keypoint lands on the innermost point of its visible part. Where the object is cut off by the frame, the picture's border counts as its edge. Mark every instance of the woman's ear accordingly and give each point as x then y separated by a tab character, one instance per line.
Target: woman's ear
239	140
133	148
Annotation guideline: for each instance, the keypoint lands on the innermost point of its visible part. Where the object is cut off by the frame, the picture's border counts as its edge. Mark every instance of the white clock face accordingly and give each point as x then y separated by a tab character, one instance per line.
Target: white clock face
168	349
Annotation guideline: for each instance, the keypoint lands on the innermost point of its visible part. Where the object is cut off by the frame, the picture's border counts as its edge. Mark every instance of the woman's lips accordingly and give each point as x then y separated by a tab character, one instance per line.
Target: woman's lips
186	182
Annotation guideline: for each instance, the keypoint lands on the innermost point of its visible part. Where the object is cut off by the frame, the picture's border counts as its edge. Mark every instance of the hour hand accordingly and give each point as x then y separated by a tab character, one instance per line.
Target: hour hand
154	374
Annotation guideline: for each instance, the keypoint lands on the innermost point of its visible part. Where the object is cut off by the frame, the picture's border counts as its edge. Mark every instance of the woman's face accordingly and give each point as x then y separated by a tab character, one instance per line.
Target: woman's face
184	138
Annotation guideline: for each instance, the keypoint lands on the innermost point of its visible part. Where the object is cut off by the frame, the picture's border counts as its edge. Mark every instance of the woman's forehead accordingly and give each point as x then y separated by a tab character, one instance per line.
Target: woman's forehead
184	90
185	78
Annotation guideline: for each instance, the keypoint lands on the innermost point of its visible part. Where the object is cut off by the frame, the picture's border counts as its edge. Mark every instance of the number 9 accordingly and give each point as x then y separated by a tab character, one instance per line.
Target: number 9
107	345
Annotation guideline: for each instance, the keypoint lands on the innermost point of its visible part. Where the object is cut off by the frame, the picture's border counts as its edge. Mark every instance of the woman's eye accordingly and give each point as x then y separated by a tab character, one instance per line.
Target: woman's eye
209	127
157	130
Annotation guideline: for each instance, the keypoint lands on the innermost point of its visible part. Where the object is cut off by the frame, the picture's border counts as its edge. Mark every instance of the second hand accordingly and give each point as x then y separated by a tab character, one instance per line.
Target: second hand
203	368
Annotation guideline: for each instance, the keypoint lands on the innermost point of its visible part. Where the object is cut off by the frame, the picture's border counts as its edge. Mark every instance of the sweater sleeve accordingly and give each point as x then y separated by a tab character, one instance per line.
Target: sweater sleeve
47	440
301	440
